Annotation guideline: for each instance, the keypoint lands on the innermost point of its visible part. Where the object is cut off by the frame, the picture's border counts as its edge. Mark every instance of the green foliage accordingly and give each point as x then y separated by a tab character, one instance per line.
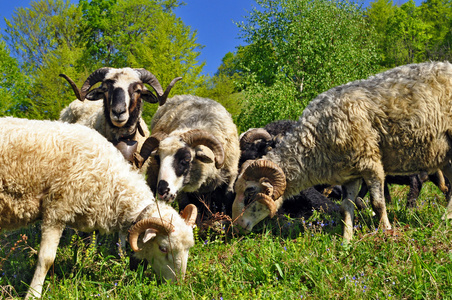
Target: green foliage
14	85
55	36
297	50
410	34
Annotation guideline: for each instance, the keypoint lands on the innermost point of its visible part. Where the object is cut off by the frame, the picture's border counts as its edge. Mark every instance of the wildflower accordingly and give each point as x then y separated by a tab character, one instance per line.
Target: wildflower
285	248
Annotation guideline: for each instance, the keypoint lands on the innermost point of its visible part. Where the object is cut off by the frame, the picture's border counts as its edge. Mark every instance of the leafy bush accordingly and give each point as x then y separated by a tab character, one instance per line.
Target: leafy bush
297	50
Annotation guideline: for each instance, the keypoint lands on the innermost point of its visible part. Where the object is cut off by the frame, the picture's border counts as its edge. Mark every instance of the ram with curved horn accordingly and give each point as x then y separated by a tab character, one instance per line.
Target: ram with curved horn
194	149
118	115
394	123
75	177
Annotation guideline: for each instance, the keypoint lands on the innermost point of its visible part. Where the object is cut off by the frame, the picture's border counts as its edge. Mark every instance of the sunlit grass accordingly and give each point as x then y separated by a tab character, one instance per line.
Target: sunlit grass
285	258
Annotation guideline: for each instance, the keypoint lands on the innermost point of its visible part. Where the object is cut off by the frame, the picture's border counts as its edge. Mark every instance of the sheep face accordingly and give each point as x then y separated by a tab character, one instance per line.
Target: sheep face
186	159
122	92
165	244
250	205
258	189
178	164
167	255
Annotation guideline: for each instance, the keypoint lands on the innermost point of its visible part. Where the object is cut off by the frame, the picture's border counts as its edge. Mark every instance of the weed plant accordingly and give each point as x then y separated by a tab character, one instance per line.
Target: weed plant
284	258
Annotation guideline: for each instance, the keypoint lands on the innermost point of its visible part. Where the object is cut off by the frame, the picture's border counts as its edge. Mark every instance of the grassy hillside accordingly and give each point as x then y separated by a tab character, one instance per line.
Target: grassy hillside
284	258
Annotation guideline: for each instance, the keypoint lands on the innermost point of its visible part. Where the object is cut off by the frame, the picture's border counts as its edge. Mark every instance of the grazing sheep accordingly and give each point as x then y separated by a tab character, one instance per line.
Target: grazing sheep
194	147
118	116
256	142
398	122
69	175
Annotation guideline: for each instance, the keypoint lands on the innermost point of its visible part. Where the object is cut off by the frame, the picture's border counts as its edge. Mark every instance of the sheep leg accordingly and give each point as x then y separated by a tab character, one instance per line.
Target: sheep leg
348	207
49	244
415	189
447	171
377	200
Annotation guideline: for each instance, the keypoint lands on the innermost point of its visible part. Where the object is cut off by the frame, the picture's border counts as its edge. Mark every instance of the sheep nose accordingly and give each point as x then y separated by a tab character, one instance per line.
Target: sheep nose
162	188
117	112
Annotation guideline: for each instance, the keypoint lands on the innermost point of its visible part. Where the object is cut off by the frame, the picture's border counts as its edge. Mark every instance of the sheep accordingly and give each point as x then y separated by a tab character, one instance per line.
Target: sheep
195	149
256	142
397	122
118	116
69	175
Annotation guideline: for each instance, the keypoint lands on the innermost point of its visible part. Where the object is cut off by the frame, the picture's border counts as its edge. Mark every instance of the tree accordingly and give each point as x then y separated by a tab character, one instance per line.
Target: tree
55	37
14	85
438	15
298	49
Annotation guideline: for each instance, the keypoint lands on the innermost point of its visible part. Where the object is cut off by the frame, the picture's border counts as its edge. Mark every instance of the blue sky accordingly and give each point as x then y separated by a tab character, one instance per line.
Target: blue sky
212	19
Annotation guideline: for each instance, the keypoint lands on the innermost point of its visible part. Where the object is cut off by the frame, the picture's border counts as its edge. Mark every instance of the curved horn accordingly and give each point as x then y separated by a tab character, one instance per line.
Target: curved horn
149	145
162	99
253	135
198	137
149	78
161	226
93	78
189	214
265	168
267	201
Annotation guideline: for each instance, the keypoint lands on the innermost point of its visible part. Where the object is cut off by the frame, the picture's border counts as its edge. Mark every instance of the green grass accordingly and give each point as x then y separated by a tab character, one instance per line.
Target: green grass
284	258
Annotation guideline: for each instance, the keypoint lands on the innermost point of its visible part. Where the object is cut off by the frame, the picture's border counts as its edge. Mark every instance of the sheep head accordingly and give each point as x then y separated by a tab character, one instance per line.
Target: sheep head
165	244
254	144
177	155
122	91
259	189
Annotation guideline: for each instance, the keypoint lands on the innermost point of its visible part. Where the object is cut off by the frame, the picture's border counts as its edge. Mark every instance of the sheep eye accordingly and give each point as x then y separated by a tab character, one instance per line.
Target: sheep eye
249	194
163	249
251	191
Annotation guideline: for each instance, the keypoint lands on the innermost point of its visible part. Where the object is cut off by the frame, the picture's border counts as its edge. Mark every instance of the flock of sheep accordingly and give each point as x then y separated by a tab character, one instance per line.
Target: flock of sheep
107	172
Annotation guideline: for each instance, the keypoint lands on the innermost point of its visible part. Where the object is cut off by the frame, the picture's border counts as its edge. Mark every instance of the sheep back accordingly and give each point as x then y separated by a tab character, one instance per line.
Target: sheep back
397	122
65	173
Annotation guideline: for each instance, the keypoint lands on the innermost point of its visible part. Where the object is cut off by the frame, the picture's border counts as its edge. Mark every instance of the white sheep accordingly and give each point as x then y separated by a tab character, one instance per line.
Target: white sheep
195	148
118	116
69	175
398	122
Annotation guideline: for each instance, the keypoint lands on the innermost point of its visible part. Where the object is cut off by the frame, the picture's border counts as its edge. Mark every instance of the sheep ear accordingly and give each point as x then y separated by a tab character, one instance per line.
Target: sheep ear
95	94
148	96
149	234
203	157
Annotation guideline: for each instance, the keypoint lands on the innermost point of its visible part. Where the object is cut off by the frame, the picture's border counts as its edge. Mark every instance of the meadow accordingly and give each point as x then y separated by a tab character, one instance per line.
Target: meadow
284	258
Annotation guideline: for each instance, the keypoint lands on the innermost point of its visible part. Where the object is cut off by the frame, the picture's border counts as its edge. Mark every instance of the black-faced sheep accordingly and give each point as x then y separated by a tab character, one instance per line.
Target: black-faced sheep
69	175
397	122
118	116
195	148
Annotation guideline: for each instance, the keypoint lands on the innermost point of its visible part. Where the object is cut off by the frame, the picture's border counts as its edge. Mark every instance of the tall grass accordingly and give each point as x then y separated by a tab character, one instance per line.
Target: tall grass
285	258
